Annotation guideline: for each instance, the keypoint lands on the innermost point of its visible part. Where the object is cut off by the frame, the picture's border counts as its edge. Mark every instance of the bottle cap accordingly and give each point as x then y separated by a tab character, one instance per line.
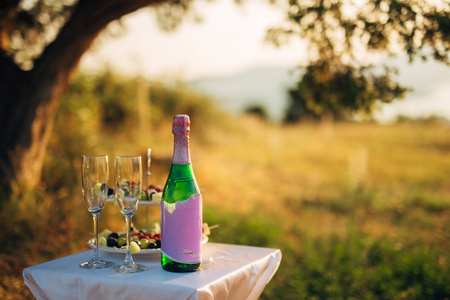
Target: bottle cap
181	124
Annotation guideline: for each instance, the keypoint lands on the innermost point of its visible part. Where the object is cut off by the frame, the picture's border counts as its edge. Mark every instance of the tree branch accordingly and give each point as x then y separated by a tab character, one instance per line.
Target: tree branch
61	57
88	19
31	108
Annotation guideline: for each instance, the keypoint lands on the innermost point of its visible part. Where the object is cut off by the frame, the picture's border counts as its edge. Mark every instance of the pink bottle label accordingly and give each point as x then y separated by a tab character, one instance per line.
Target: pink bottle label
181	229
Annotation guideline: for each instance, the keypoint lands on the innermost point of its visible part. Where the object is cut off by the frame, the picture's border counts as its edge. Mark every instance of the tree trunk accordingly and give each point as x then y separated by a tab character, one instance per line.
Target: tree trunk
29	99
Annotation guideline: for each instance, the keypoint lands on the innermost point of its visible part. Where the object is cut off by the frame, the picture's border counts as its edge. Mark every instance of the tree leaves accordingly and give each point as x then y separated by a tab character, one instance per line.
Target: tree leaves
339	79
340	91
27	28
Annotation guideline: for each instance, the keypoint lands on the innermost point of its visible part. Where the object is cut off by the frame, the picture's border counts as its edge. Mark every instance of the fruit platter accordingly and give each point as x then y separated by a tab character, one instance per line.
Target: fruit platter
142	242
151	196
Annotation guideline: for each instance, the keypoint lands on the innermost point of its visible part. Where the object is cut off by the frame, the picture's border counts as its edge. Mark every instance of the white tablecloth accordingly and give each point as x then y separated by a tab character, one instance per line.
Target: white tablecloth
228	272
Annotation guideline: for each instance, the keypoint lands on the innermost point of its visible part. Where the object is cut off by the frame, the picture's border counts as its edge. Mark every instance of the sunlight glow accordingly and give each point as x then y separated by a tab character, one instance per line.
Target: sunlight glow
230	39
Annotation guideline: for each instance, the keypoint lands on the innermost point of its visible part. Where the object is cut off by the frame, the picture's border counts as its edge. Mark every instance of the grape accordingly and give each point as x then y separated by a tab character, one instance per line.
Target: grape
121	241
121	194
141	239
114	235
102	241
144	243
105	233
134	247
98	188
111	242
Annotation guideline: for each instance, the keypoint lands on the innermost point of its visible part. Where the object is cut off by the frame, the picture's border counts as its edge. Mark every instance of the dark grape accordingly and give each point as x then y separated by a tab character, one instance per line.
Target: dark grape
111	242
114	235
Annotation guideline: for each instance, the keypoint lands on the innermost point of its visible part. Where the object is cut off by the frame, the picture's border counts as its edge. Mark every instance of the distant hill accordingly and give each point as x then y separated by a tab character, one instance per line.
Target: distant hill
266	86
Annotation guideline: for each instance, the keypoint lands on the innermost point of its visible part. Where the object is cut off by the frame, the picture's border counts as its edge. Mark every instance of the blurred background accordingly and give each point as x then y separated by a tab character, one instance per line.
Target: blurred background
318	128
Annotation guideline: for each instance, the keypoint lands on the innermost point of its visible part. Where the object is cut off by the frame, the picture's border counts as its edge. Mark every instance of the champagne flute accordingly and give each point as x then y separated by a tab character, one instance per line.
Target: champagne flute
127	182
94	180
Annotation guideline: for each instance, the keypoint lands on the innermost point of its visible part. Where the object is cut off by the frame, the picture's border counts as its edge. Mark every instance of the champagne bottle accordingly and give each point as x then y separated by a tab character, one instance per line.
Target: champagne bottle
181	207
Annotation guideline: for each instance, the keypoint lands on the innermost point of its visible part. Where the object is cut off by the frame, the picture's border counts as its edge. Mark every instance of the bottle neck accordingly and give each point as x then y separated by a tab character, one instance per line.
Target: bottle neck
181	154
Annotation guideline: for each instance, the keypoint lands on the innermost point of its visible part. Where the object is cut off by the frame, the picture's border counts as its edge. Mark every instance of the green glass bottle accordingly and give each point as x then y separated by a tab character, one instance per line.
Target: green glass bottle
181	207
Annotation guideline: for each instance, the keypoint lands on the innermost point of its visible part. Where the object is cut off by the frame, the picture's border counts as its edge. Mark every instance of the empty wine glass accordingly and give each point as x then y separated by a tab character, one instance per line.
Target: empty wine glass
127	186
94	180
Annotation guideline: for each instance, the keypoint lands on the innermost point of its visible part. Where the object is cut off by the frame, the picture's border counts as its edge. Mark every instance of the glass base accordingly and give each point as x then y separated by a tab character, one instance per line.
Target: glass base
129	268
172	266
96	264
181	268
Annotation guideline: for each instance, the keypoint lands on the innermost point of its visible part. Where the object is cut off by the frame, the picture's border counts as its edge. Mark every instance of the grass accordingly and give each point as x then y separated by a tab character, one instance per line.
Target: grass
359	211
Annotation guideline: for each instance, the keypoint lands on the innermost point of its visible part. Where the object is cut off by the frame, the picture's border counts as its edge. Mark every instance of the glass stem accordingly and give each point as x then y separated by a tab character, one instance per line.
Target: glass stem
96	254
128	257
148	224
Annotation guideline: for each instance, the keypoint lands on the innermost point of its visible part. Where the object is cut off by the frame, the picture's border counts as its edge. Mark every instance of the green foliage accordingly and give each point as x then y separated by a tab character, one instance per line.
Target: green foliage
257	111
425	120
340	92
76	131
116	97
106	95
115	101
338	29
339	79
27	27
254	229
167	101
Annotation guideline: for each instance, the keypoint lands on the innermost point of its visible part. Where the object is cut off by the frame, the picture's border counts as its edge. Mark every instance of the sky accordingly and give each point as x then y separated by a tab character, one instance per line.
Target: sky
230	40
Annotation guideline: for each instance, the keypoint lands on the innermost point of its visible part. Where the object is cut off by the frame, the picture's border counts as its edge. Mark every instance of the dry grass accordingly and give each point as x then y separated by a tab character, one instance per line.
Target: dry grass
391	180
